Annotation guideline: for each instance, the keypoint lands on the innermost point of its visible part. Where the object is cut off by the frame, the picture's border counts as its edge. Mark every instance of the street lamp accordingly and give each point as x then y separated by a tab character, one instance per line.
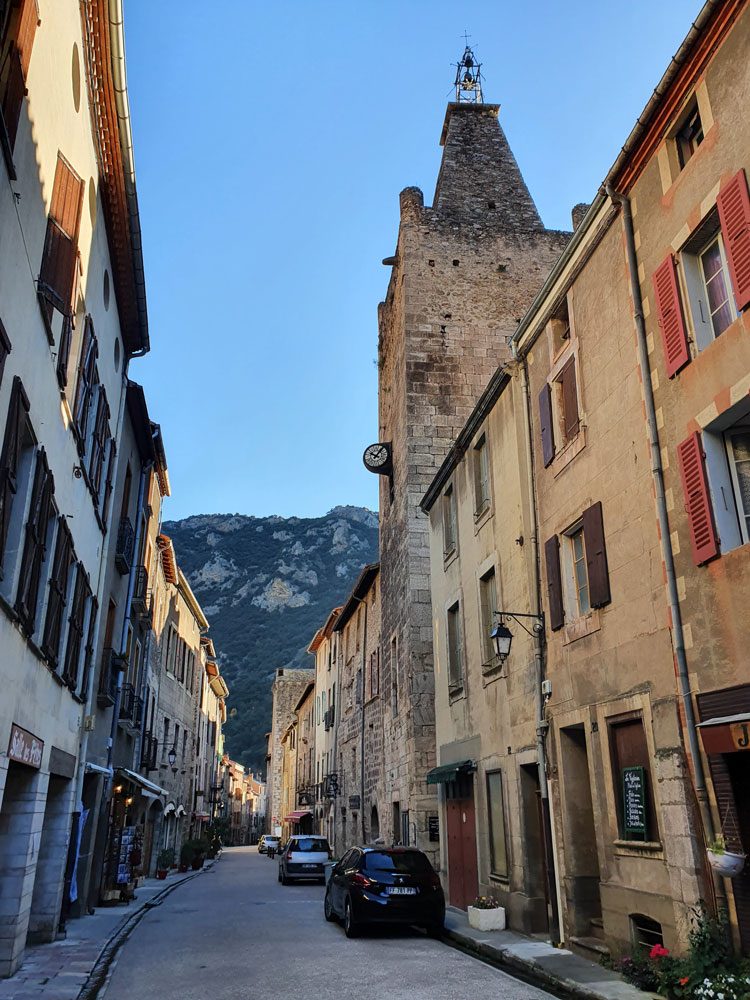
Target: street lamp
502	637
172	758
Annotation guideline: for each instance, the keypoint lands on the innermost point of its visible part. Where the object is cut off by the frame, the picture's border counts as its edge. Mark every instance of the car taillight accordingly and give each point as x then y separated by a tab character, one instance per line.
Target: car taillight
434	880
359	879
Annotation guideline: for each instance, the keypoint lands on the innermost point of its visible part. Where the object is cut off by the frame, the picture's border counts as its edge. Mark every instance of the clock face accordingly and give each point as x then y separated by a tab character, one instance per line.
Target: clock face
377	457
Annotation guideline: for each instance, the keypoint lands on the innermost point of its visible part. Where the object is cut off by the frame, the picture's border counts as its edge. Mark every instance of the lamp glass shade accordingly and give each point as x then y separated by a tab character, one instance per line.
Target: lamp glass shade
501	637
172	757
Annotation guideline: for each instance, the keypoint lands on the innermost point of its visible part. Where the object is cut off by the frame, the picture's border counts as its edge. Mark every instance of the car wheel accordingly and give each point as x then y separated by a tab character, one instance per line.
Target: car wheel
280	875
328	910
351	927
284	879
434	930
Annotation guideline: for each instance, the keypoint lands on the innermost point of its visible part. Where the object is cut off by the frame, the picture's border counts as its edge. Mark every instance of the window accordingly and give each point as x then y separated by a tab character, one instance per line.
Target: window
487	609
373	673
628	752
582	581
496	813
16	56
559	416
481	477
715	473
689	135
99	443
455	650
717	277
449	522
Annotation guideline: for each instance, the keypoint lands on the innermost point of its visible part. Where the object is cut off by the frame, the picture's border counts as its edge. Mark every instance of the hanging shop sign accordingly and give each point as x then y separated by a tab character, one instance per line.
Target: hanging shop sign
634	800
25	747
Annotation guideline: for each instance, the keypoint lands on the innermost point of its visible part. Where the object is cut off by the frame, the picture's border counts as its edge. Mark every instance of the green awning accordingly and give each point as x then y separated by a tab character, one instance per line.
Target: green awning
449	772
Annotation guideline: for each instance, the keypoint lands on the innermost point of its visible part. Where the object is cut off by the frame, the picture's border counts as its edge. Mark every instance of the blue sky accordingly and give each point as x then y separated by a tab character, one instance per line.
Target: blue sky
271	142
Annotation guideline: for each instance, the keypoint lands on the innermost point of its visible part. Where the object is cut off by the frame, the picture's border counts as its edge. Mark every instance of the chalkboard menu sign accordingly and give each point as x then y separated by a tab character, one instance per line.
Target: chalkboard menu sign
433	824
634	801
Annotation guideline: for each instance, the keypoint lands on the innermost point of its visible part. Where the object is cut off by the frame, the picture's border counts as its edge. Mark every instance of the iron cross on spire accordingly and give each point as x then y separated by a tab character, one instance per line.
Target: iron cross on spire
468	77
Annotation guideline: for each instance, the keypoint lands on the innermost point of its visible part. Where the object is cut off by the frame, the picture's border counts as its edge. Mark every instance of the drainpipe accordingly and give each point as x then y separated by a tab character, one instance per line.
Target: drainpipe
538	636
657	471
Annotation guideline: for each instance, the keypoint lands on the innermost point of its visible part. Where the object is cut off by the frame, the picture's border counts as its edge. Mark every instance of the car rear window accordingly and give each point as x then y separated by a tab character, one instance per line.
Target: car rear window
314	844
413	862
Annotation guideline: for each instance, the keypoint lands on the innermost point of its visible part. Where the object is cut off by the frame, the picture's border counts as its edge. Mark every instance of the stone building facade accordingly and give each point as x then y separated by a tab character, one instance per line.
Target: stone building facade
325	648
359	753
464	271
287	688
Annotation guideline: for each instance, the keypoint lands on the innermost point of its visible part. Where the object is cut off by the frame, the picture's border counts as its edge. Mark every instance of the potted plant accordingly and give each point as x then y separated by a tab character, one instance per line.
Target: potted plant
200	848
164	861
187	853
486	914
726	863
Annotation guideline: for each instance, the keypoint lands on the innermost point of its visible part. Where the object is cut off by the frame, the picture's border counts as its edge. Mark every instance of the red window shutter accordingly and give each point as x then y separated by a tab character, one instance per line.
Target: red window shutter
545	420
733	203
697	499
671	320
596	556
554	583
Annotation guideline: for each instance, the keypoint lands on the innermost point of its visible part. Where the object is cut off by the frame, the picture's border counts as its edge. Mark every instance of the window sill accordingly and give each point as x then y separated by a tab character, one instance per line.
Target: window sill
449	557
501	880
456	692
492	671
574	447
481	517
582	626
639	848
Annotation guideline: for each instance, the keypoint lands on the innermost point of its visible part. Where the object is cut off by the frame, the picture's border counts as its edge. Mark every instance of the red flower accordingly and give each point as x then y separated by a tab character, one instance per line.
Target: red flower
658	951
684	980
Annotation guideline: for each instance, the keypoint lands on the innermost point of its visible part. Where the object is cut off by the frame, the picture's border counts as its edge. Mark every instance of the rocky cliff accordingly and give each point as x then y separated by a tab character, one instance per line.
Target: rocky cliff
266	584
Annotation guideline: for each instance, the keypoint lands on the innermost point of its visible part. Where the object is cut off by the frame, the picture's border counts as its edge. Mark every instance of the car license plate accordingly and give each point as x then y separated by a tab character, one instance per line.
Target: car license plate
309	866
396	890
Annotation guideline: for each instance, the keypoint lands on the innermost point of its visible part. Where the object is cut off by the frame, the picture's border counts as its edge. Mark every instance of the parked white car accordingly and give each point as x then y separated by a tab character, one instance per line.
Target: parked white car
304	857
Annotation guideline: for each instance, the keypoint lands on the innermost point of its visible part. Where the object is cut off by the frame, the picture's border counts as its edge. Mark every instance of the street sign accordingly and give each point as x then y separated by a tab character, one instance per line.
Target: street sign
634	801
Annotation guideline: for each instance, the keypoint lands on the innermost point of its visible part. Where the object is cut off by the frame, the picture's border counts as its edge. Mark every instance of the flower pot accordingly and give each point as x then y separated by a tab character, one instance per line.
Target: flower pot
196	863
161	873
487	920
727	863
183	868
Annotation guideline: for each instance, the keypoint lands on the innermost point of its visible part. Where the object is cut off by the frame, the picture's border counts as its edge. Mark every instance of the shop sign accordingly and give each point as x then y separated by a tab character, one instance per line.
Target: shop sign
433	825
634	800
25	747
354	801
740	735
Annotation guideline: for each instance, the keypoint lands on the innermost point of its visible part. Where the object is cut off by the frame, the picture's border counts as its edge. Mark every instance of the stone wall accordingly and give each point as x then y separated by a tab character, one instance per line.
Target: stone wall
287	690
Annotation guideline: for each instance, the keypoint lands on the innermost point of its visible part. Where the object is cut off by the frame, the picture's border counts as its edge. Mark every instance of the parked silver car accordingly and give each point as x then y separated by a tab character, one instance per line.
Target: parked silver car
304	857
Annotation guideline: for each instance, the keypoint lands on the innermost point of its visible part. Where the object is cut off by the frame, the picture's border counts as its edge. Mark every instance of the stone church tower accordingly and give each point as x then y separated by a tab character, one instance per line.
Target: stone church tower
464	272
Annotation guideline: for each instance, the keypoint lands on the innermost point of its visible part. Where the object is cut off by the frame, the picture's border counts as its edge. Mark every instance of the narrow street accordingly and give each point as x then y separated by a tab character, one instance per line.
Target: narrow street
237	933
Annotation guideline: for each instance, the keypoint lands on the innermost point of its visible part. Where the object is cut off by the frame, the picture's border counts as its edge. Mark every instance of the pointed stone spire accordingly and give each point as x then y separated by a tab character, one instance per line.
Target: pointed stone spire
479	176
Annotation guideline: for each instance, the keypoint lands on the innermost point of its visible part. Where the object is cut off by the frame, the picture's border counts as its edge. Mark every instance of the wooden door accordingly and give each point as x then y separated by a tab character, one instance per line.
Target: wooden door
462	852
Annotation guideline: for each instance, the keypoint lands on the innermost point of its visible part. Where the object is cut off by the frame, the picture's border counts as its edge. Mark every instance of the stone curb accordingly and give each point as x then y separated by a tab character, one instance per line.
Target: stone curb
525	969
96	978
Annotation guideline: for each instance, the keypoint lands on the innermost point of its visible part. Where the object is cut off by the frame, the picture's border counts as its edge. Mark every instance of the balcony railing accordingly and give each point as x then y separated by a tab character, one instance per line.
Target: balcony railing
131	706
149	750
329	717
140	590
108	678
125	546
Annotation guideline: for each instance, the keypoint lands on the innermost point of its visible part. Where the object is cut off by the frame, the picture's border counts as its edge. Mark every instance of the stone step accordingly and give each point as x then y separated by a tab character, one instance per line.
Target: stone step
590	947
596	925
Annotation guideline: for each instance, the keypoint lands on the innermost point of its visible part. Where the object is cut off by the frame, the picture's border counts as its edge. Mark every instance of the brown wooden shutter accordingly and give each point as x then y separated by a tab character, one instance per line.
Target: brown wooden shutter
567	381
63	352
596	556
697	499
545	420
98	443
57	277
75	631
28	21
554	583
35	544
58	591
89	651
15	90
84	384
15	429
671	319
109	480
5	349
733	203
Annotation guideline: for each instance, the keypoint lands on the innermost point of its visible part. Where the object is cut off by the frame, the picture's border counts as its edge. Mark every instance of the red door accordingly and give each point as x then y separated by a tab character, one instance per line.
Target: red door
462	852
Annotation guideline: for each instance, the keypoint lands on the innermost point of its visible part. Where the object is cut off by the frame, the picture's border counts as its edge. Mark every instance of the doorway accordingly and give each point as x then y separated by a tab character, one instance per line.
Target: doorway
581	882
463	878
17	865
535	860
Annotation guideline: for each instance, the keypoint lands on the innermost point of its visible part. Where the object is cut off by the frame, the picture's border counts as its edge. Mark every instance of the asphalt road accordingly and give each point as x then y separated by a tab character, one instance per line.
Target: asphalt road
235	933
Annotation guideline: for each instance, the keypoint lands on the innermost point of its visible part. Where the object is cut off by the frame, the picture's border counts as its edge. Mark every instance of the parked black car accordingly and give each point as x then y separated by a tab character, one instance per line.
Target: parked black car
385	885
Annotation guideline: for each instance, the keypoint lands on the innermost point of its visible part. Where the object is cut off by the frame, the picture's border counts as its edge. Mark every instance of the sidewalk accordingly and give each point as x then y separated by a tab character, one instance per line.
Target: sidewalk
556	969
61	969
